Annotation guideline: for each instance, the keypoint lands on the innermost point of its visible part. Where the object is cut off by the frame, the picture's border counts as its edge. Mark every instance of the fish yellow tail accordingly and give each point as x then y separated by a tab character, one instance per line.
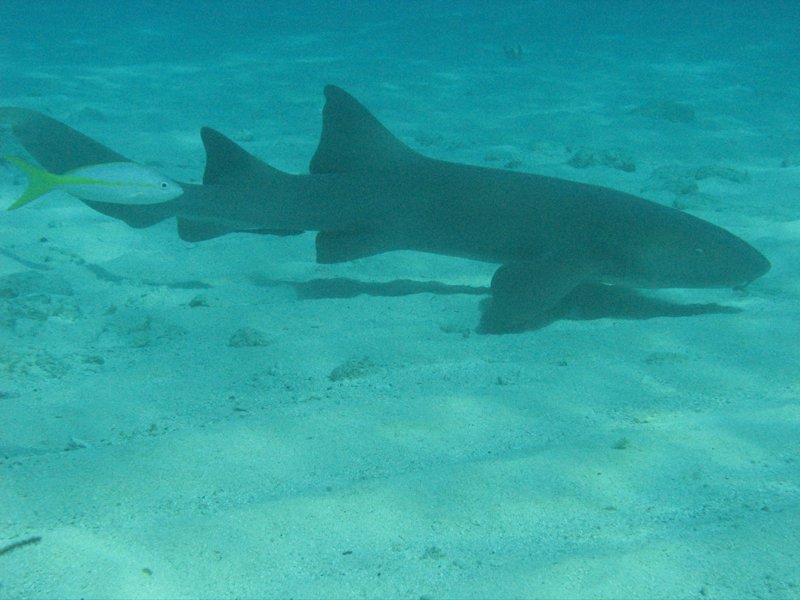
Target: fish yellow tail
39	181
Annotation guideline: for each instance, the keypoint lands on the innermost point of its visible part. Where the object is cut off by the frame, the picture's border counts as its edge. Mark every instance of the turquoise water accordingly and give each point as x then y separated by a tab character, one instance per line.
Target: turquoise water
228	418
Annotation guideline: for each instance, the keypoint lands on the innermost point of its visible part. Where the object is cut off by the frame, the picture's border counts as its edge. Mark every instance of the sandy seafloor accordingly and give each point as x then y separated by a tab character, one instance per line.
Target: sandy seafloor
376	446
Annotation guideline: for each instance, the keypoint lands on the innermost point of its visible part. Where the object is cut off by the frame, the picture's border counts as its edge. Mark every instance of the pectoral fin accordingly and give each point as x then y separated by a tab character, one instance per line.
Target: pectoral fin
524	292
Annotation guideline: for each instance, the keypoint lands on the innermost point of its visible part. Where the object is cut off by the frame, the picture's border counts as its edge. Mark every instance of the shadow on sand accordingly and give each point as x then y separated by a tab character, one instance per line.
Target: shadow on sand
584	303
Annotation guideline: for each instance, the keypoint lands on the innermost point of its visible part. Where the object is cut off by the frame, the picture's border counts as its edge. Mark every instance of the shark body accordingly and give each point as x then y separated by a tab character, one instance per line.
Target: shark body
368	193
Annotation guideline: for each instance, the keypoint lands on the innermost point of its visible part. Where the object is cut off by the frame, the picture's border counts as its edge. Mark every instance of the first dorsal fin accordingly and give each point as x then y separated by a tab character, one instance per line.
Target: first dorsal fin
352	139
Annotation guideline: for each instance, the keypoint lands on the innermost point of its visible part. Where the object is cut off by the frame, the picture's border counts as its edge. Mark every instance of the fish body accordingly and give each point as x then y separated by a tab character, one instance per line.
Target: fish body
115	183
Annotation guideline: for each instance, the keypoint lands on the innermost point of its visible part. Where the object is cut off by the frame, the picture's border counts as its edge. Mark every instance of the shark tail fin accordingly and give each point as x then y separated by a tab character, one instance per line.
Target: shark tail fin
39	182
57	147
353	139
141	215
60	148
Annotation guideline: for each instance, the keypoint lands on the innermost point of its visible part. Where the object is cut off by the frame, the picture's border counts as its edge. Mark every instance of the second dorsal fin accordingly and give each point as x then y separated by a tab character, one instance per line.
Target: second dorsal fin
227	162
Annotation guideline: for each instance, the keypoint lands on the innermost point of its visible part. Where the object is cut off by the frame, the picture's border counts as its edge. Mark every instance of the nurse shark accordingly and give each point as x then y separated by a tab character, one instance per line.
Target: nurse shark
367	193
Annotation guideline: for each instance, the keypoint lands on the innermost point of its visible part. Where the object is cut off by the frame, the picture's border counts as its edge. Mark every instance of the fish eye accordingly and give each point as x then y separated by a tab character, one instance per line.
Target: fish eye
164	185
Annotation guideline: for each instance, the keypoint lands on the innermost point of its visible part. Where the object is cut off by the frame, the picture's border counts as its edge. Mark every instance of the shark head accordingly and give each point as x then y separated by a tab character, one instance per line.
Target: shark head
683	251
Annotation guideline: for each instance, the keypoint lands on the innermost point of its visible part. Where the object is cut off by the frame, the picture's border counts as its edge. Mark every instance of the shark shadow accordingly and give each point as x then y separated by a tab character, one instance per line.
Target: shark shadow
586	302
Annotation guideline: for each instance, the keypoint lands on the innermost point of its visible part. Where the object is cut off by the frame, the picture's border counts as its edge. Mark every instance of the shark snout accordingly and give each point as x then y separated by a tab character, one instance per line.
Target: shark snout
754	266
697	254
736	262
